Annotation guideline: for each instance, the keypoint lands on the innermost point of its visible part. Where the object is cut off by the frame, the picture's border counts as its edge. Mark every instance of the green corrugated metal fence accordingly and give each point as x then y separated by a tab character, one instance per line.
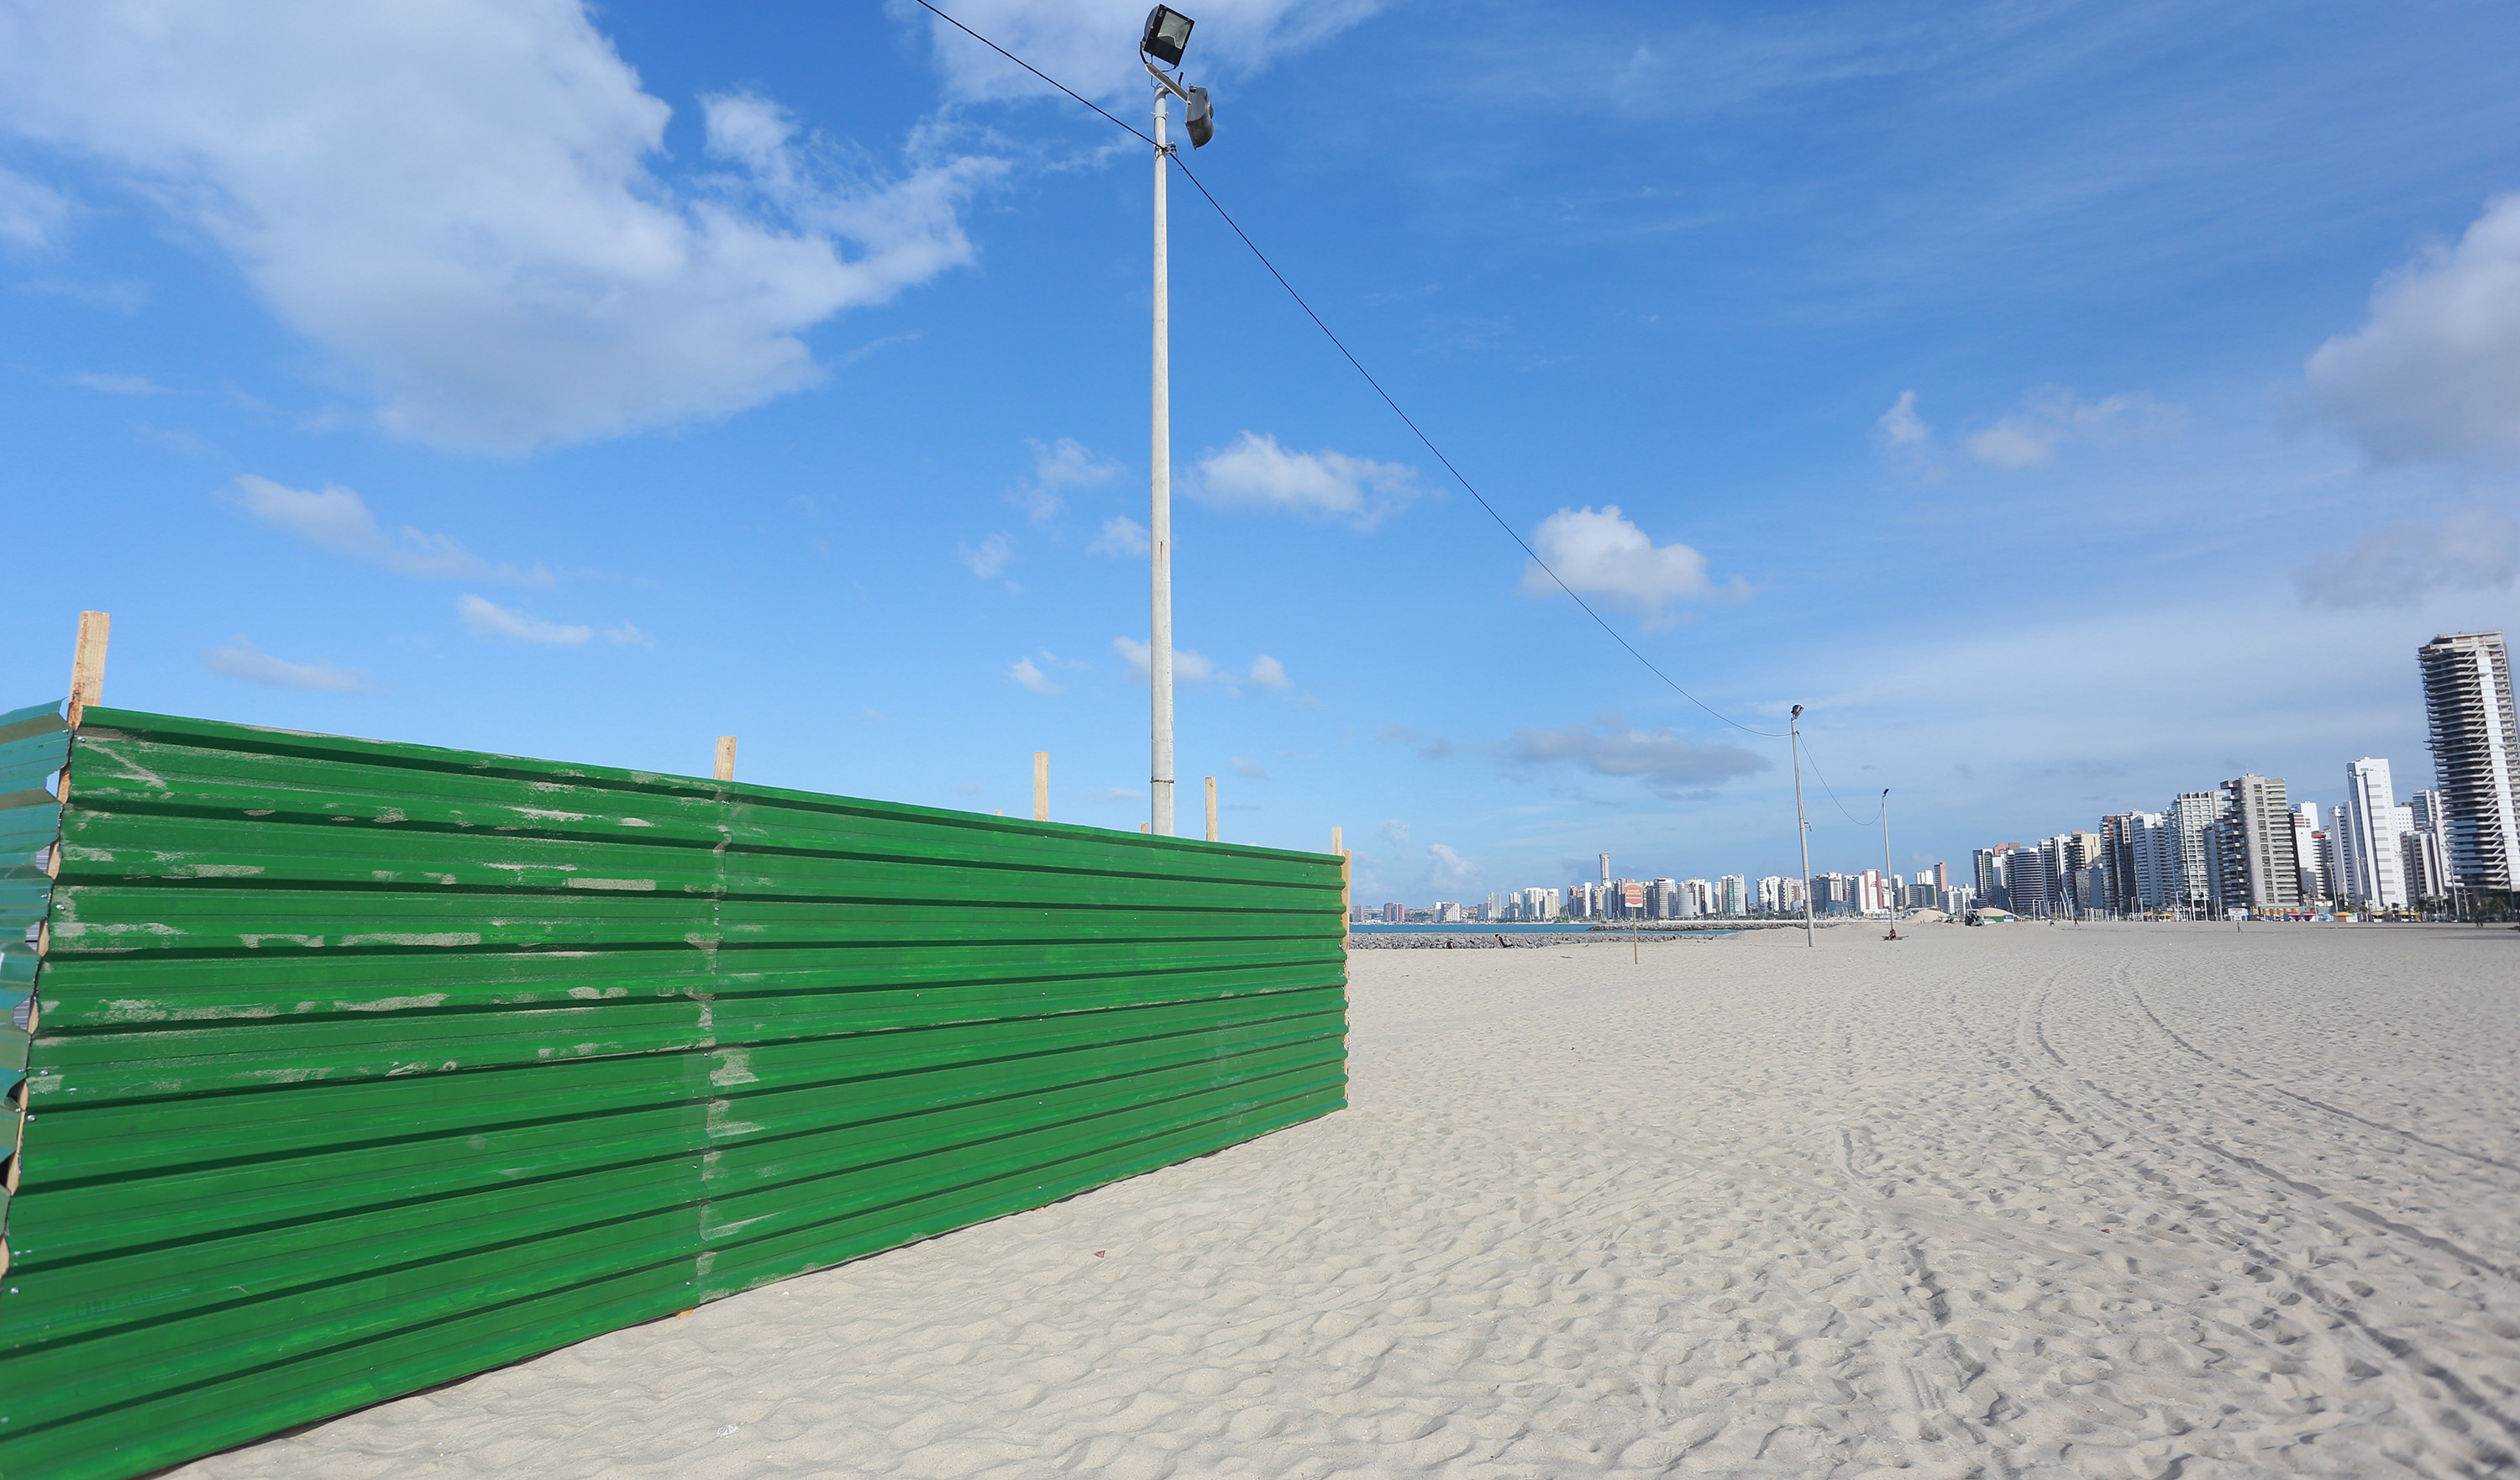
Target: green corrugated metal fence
358	1068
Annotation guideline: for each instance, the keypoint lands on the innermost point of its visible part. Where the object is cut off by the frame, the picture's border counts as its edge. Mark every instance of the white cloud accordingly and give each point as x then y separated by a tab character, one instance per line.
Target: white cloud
1393	831
1255	473
1901	426
1024	672
627	635
2051	417
489	619
2397	566
2435	373
339	519
118	385
1121	536
1250	768
1091	44
1667	762
456	199
1450	869
1064	463
1268	672
1604	555
30	214
988	557
1188	667
241	659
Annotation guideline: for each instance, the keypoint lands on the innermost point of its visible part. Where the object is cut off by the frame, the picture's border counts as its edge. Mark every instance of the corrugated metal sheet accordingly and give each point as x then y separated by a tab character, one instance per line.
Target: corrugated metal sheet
365	1066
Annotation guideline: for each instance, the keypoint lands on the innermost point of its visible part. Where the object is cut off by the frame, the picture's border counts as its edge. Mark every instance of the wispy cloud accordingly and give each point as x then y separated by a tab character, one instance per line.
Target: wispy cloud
1668	763
118	384
1121	536
240	658
2053	417
1255	473
1107	795
1055	466
338	519
1901	426
488	620
1602	554
1433	748
2397	567
1267	673
988	558
1029	675
1250	768
1189	665
1449	868
30	214
2434	374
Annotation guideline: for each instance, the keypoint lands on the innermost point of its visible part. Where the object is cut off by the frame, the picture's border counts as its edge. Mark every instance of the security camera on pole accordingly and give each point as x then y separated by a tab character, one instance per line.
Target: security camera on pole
1167	33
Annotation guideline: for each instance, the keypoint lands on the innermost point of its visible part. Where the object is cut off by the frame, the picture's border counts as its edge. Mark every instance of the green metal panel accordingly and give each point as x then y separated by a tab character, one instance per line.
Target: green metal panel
360	1067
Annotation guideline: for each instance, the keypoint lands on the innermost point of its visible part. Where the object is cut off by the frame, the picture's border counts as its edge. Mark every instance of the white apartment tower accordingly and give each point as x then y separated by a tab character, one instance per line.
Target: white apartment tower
2476	745
2369	824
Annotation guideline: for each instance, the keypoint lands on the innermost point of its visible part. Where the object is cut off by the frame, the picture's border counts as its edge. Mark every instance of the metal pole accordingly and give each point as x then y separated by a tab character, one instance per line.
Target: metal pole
1802	828
1889	880
1159	522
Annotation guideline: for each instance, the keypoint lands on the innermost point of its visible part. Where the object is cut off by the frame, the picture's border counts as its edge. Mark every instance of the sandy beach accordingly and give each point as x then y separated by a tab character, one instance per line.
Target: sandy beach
2014	1201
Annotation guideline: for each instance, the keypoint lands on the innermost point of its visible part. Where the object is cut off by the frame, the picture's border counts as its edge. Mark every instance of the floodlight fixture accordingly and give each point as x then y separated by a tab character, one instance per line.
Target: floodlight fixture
1201	121
1167	33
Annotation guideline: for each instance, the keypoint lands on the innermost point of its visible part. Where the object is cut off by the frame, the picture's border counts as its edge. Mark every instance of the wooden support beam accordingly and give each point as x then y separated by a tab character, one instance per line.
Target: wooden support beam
726	757
1041	785
1338	842
87	664
1211	809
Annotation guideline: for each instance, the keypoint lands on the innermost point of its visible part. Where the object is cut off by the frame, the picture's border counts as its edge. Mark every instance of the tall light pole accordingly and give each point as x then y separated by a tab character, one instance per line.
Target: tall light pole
1802	828
1167	32
1889	880
1159	519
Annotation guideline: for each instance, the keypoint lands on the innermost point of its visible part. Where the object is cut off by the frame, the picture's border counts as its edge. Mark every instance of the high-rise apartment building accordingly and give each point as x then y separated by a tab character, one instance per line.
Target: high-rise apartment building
2368	827
2153	863
2424	851
2025	881
1733	895
2476	746
2191	819
2253	845
2304	851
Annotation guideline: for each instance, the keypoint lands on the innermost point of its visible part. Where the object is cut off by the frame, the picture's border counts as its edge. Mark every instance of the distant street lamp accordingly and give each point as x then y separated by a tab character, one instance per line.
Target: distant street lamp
1167	35
1802	828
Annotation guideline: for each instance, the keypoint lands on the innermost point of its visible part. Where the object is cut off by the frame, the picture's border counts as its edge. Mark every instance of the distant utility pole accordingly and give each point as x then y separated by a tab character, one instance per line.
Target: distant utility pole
1802	828
1889	880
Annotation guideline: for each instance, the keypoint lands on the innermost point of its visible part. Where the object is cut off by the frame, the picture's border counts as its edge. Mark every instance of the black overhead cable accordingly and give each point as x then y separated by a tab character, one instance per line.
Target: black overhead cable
1360	369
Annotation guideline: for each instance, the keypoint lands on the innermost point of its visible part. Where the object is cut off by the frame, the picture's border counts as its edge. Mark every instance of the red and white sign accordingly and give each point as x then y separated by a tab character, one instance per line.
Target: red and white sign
1636	896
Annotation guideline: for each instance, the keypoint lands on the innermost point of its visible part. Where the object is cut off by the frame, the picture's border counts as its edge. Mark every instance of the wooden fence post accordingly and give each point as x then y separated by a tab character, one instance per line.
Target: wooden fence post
1338	846
87	664
1211	809
726	757
1041	785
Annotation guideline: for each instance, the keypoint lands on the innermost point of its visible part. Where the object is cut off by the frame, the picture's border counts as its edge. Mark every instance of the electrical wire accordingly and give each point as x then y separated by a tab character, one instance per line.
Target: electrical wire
1861	822
1359	366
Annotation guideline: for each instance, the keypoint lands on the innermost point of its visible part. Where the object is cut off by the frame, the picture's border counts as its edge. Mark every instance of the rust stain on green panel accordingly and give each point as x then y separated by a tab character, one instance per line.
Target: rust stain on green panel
357	1067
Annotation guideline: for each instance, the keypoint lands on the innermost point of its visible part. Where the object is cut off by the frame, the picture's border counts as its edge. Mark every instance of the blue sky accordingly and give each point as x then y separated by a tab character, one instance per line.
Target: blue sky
2070	404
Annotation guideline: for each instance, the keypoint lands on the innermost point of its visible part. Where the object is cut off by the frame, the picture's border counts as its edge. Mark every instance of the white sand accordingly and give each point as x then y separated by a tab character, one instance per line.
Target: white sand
2013	1201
